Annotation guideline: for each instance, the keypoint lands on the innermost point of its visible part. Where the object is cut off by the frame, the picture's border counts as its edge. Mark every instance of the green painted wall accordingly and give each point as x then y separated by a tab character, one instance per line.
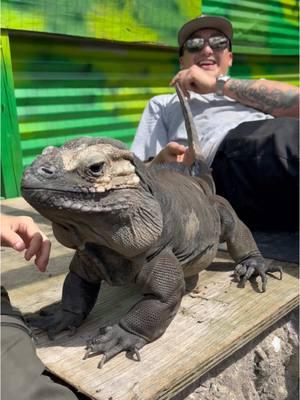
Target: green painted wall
88	67
75	71
153	21
74	87
260	28
11	155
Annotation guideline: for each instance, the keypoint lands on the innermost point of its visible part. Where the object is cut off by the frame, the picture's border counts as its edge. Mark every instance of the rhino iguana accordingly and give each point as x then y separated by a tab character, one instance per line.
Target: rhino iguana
154	226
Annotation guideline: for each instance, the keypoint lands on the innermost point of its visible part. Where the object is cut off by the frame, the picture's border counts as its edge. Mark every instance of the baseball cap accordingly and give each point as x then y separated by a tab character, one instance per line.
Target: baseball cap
221	24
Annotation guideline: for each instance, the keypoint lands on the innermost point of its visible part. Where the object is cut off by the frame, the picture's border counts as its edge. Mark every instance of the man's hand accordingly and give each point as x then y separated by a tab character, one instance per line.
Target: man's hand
196	80
173	152
21	233
276	98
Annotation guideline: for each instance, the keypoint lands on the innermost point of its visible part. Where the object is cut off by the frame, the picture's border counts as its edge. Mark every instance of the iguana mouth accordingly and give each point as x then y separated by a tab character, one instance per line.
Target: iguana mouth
79	201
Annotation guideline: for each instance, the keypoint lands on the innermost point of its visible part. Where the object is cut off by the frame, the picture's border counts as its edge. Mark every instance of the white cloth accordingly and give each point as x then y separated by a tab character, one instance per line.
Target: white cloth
214	116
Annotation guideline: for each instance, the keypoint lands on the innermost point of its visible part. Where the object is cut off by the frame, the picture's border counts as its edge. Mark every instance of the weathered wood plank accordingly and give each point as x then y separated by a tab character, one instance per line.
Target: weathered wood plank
213	321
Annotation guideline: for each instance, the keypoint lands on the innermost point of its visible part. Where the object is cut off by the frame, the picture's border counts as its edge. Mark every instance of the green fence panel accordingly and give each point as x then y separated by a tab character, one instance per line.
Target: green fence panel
260	28
152	21
11	156
67	88
278	68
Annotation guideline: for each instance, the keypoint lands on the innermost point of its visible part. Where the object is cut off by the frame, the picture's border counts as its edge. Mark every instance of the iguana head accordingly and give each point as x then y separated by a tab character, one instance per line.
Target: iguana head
77	175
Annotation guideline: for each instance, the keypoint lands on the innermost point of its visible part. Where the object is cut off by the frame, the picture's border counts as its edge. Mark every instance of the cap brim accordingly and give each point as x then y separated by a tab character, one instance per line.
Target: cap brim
205	22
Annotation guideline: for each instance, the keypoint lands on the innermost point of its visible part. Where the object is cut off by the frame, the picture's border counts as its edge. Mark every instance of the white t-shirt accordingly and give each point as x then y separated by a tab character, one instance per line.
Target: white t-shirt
214	116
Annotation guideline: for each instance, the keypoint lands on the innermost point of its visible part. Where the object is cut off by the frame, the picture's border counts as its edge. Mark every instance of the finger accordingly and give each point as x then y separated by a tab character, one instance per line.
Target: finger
10	238
42	258
189	86
188	158
175	79
175	148
185	87
182	78
33	245
169	153
27	229
39	246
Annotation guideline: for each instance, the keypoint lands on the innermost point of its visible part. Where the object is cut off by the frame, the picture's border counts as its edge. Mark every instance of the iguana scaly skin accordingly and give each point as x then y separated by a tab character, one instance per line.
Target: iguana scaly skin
152	226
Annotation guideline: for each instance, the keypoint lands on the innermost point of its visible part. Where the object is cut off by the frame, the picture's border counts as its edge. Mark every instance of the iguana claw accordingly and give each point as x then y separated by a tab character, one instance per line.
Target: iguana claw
86	354
113	340
53	320
254	266
137	353
102	362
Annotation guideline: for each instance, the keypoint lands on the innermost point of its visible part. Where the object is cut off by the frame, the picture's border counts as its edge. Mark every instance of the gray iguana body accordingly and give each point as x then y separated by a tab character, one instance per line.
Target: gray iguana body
153	226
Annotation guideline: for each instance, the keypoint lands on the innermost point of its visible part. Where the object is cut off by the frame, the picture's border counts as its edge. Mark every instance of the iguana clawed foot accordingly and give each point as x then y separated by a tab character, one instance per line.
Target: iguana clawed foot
53	319
111	341
254	266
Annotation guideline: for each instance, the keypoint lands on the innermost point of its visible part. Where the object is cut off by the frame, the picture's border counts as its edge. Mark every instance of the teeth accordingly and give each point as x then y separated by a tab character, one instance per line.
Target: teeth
210	62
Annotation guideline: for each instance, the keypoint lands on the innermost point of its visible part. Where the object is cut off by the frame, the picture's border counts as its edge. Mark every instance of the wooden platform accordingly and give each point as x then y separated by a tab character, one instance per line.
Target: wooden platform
213	322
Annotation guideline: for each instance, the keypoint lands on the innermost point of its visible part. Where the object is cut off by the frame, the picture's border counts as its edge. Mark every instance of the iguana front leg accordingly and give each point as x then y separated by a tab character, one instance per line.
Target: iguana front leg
242	247
78	298
162	283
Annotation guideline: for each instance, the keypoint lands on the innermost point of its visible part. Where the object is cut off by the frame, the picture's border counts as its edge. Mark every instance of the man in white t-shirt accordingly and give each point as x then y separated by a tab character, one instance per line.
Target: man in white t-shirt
248	129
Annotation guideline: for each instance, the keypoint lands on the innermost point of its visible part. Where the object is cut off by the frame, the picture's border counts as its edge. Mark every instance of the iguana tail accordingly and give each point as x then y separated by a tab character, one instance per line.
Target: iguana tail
199	169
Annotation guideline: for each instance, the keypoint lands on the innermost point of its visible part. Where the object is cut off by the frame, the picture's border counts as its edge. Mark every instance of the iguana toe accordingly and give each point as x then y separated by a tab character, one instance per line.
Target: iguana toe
254	266
113	340
53	324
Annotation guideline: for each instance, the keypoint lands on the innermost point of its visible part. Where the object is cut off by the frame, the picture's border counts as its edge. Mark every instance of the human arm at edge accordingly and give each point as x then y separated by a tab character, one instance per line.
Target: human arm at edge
276	98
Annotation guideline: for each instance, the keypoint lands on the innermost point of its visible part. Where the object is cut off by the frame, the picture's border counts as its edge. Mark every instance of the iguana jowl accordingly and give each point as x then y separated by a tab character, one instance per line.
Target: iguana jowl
154	226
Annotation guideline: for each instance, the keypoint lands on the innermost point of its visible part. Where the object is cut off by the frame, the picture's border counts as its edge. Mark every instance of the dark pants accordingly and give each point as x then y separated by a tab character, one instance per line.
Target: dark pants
257	169
21	370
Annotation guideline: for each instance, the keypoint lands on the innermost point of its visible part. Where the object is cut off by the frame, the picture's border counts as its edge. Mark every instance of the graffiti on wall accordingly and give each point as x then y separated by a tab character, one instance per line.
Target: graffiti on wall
152	21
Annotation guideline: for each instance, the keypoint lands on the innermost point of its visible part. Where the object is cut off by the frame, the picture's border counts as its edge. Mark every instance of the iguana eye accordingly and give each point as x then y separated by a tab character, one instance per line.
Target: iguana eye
96	169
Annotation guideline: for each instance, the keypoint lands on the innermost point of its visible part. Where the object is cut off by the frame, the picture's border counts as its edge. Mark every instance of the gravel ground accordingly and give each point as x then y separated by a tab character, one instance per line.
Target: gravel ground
265	369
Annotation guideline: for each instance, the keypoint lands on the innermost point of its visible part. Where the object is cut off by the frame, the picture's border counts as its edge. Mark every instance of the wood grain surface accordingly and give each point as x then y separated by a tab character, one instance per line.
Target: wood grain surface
214	320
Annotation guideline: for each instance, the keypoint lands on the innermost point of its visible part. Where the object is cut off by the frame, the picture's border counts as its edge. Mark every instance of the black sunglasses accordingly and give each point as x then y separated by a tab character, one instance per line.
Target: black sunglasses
215	42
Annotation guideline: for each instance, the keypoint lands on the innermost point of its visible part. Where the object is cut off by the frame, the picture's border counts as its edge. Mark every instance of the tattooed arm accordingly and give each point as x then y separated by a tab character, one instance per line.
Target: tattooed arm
275	98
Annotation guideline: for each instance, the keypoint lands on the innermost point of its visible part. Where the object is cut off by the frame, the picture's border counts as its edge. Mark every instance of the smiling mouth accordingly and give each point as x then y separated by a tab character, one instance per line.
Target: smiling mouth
206	63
